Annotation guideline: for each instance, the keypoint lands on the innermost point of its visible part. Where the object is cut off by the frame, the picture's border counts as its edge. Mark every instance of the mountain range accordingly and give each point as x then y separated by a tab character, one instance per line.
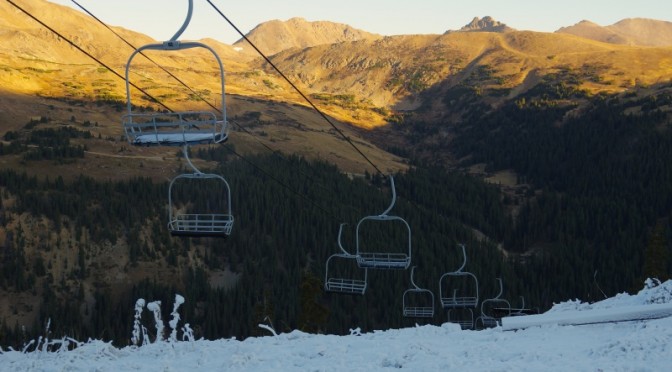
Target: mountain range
361	80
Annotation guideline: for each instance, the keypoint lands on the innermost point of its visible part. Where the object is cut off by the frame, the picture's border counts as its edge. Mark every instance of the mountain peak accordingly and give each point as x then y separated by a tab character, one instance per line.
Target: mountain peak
275	36
485	24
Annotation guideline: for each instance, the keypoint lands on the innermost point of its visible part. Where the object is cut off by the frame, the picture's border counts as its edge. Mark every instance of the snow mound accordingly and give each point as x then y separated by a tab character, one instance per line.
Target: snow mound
654	292
618	346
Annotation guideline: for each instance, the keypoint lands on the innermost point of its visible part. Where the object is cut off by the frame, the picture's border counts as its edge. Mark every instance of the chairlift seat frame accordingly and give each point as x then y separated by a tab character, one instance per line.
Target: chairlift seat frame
200	224
384	260
344	285
463	323
489	320
454	301
417	311
347	286
157	130
154	129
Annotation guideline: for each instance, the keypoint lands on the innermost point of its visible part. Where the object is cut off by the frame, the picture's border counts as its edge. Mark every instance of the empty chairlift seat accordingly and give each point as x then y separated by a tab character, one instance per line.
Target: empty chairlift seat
459	289
458	293
174	128
199	206
342	275
417	302
384	241
494	309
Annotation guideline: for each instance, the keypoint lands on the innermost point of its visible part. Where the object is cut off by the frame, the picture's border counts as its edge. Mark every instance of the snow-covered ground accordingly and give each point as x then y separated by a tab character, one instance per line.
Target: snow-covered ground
624	346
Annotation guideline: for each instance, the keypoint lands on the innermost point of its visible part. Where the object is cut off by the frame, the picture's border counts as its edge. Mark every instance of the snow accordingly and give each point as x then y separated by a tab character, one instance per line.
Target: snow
173	138
643	345
652	303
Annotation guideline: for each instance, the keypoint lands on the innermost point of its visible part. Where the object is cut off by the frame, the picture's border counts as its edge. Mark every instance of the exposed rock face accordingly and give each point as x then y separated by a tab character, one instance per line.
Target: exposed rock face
486	24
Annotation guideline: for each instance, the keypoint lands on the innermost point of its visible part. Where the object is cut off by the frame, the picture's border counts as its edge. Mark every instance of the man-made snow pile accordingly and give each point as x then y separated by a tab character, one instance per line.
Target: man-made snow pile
654	301
654	292
641	345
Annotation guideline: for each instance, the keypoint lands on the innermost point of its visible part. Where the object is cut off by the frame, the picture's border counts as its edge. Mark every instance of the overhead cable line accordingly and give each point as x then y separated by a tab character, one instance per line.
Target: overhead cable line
324	116
144	55
160	103
87	53
241	127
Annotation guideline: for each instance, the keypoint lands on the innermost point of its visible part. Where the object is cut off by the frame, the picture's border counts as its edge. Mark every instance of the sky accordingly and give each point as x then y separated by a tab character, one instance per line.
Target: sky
642	345
160	19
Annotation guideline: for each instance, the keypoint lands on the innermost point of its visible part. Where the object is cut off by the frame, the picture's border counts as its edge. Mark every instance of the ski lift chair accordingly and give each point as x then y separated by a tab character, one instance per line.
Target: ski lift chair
458	291
384	260
494	309
522	310
175	128
340	284
417	302
464	317
466	295
200	221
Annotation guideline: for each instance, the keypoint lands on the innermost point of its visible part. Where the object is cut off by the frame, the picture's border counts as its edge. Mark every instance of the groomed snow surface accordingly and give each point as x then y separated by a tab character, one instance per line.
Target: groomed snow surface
642	345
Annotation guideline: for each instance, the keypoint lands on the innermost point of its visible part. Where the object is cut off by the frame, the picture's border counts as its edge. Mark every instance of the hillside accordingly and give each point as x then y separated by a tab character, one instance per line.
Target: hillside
393	72
297	33
631	31
53	79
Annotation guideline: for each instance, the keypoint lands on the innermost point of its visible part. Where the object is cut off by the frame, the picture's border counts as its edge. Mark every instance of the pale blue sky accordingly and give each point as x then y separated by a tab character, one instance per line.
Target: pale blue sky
160	19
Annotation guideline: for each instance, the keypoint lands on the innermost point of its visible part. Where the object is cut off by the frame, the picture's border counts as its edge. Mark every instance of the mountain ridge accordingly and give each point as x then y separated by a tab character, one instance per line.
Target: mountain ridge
275	36
629	31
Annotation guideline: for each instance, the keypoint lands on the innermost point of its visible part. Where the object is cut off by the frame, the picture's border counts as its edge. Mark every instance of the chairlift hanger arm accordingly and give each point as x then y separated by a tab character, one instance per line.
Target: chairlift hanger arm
340	245
185	151
412	279
394	197
186	22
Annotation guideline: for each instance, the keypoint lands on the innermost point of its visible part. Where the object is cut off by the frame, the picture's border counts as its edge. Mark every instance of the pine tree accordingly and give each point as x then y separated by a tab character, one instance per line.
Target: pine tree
657	254
313	316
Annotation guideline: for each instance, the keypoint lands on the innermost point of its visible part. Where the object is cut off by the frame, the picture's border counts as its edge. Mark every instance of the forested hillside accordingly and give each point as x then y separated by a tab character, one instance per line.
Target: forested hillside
592	194
287	214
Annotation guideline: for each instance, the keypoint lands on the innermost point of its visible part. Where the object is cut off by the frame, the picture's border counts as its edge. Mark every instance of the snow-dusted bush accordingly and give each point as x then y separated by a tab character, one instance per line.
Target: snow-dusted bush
139	334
